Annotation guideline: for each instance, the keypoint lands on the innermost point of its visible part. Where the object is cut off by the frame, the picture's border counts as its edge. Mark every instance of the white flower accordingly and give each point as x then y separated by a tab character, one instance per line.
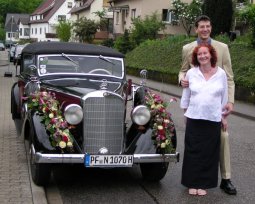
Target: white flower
62	144
163	145
160	127
69	144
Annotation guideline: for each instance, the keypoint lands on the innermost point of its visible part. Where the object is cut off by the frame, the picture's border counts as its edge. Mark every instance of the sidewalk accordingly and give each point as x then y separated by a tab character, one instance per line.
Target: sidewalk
16	185
240	108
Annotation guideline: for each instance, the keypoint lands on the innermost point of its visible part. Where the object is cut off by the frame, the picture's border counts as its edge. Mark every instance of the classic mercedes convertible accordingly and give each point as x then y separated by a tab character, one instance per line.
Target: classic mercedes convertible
76	106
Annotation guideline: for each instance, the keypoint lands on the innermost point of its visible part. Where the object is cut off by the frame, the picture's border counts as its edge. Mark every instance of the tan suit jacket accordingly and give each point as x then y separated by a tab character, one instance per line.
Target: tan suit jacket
224	61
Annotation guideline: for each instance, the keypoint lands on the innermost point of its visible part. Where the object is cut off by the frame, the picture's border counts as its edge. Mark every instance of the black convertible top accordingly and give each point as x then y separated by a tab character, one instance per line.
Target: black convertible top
70	48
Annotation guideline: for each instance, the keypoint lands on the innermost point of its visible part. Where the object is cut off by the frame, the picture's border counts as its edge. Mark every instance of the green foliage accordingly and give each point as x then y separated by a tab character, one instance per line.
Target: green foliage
108	42
2	34
123	43
85	29
64	31
158	55
104	22
243	62
248	14
187	13
220	13
146	29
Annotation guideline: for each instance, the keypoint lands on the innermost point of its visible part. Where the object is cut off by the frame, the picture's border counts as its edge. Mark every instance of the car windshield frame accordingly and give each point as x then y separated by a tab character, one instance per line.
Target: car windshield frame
48	65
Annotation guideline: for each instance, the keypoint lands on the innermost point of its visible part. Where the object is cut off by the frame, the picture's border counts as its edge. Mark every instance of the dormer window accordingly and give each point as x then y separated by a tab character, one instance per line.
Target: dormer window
61	18
69	4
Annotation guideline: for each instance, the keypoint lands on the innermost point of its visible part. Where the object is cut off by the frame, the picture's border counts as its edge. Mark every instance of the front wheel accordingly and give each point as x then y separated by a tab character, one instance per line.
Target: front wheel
153	171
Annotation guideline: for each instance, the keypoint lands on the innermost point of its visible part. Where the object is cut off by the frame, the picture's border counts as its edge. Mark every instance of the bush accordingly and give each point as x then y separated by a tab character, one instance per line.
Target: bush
108	43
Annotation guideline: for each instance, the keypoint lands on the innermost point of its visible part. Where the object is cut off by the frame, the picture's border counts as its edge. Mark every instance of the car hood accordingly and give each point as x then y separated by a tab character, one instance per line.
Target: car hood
81	87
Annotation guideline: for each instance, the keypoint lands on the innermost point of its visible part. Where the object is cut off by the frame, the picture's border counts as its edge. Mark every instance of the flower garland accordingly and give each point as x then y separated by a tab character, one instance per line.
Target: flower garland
48	107
161	123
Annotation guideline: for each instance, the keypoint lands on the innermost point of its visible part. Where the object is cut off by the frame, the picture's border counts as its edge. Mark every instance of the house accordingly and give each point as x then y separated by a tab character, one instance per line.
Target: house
88	9
12	30
45	18
24	28
126	10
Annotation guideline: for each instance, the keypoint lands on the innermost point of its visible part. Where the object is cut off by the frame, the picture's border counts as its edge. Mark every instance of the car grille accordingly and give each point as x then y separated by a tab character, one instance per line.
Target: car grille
103	124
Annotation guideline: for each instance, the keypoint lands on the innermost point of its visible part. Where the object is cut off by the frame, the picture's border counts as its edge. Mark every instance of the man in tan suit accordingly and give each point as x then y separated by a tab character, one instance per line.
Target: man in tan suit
203	29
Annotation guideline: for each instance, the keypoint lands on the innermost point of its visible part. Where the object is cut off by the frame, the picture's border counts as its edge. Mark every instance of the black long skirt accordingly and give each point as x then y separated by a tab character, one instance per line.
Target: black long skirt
201	154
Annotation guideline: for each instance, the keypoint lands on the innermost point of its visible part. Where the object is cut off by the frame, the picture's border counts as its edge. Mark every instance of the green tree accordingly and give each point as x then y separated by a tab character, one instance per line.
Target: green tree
146	29
63	30
221	14
248	15
85	29
123	43
104	22
187	13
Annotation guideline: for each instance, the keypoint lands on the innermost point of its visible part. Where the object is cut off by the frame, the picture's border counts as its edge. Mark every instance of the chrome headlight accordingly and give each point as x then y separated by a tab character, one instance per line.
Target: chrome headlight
73	114
141	115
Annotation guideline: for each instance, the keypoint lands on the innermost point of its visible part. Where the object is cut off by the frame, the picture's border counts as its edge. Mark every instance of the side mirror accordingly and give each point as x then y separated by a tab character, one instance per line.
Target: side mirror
143	75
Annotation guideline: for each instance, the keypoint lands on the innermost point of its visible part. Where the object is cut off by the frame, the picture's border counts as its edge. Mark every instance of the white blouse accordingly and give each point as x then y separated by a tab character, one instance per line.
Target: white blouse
205	99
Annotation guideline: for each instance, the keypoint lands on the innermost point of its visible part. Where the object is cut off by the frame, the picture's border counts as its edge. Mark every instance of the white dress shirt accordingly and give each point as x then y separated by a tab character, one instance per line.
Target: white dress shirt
205	99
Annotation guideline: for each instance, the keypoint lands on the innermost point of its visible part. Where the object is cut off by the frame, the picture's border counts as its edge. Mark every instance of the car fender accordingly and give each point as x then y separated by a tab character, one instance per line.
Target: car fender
41	137
140	142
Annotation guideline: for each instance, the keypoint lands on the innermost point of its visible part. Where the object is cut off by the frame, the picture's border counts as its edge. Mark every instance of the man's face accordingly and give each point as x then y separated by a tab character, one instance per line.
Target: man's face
204	30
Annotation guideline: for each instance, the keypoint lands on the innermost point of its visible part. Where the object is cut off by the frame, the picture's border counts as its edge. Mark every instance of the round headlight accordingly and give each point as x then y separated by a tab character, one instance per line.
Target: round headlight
73	114
141	115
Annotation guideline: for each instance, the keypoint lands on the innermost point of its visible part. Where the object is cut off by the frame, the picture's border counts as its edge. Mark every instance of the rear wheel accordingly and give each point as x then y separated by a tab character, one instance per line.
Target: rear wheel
41	173
153	171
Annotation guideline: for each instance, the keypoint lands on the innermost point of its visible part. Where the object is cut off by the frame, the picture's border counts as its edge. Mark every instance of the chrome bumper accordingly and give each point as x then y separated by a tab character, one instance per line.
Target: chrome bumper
79	158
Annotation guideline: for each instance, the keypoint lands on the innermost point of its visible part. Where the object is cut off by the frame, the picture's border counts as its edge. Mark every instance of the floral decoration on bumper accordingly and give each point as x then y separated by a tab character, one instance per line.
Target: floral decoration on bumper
48	107
161	123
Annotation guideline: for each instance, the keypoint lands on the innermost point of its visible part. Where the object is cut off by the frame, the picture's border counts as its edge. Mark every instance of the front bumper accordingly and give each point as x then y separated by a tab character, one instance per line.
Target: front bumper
79	158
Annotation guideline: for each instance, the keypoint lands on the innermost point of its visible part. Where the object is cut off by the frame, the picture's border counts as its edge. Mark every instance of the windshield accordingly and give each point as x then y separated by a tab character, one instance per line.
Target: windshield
93	65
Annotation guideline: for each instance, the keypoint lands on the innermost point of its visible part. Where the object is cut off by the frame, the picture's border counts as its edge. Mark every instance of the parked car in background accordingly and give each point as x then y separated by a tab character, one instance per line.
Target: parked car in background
77	107
17	53
2	47
11	53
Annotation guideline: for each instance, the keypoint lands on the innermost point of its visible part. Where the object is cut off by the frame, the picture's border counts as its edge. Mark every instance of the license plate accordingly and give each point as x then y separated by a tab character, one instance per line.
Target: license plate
108	160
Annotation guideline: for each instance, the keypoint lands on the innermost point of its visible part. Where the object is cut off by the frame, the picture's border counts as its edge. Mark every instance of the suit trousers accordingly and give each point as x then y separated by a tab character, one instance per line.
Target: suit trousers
225	169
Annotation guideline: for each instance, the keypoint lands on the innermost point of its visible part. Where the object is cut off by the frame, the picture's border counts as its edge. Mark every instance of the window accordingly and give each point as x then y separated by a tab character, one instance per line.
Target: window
32	31
9	35
168	16
36	31
61	17
26	31
40	30
69	5
133	13
20	31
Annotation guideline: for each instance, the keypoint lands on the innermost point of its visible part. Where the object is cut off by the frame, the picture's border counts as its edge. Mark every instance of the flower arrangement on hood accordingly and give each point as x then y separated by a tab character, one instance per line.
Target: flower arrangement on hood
161	123
48	107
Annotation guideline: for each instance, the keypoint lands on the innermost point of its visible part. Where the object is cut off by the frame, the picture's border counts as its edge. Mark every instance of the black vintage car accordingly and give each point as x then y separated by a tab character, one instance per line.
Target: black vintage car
77	107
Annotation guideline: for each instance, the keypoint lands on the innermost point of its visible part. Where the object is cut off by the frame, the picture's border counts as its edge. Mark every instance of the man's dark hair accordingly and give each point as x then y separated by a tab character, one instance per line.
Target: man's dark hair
201	18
